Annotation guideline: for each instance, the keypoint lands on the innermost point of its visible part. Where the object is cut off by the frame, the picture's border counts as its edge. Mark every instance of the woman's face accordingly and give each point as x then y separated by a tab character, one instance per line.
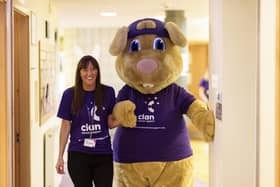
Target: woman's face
88	76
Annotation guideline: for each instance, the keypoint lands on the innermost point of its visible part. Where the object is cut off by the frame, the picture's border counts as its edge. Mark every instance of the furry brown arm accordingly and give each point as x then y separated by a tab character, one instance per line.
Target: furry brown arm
203	119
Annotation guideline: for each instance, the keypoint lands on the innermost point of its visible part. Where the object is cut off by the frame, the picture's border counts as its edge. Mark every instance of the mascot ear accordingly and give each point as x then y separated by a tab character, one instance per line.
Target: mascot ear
175	34
119	41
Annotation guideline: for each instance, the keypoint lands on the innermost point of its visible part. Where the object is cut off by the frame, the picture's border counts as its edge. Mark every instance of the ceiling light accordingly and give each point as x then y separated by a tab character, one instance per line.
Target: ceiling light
107	14
21	1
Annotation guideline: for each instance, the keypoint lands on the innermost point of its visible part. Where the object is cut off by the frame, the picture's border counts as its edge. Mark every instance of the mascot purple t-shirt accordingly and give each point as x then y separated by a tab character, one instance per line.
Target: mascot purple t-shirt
88	123
161	133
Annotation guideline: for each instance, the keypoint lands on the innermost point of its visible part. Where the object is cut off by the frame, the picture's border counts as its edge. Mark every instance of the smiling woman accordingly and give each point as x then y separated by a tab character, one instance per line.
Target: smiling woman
84	110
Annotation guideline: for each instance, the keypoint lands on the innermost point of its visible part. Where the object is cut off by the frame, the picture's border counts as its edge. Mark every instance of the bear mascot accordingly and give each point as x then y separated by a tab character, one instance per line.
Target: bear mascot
151	144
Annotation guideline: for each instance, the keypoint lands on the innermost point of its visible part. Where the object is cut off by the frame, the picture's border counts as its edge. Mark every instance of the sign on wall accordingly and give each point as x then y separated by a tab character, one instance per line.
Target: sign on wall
47	80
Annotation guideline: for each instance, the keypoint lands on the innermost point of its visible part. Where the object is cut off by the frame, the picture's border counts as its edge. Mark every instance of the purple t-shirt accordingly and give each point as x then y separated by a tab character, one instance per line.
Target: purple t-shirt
161	133
88	123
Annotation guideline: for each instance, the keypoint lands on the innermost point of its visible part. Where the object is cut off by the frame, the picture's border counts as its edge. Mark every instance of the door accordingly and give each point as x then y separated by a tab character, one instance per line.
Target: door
21	100
3	99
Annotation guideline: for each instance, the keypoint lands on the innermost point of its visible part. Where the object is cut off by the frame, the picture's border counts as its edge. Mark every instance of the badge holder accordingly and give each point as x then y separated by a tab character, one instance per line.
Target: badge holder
90	142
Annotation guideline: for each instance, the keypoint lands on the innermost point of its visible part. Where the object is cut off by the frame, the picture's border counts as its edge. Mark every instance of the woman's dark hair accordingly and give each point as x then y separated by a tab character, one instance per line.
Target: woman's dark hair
78	96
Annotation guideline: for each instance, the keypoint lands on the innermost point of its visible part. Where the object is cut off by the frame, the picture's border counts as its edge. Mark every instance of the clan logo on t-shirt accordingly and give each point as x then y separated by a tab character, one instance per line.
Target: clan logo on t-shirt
93	126
148	116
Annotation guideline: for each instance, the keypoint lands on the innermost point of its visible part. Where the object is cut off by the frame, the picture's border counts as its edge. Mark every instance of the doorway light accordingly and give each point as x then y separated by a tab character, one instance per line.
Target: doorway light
108	14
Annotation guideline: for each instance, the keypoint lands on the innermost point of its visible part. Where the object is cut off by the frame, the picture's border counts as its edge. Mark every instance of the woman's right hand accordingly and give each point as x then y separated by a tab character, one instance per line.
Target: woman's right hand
60	166
112	122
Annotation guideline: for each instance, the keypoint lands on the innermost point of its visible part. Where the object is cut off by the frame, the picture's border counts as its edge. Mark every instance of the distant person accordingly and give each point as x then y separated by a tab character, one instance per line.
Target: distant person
84	110
204	88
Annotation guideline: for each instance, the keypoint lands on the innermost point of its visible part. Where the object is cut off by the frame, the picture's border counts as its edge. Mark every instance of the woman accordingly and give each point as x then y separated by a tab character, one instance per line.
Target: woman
84	110
204	88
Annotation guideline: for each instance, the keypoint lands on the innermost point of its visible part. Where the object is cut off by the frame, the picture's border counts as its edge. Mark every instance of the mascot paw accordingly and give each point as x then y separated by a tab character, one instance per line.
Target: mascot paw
124	113
209	129
203	119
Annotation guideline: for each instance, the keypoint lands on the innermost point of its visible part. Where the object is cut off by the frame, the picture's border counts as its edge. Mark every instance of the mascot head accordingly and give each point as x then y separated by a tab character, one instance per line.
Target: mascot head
148	54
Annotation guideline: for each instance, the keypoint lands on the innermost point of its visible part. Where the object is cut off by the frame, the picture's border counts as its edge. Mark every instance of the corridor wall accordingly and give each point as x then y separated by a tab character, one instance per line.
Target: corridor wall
43	11
242	58
266	89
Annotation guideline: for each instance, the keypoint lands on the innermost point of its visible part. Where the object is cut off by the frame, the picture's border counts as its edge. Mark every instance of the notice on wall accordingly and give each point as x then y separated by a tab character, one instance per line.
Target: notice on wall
219	107
47	80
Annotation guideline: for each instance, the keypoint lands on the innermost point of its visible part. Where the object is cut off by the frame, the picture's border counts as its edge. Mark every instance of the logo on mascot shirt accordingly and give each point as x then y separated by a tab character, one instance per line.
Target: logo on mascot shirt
148	118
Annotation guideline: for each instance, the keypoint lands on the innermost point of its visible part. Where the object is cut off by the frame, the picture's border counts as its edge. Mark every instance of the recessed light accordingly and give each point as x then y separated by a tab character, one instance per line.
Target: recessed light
108	14
21	1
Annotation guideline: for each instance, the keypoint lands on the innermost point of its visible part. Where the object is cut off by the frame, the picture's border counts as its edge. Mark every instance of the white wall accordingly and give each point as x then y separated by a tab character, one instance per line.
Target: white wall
242	57
233	64
43	10
198	29
267	63
95	42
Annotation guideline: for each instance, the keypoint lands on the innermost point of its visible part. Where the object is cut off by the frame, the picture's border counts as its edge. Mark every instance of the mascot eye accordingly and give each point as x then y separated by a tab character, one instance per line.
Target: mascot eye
159	44
134	45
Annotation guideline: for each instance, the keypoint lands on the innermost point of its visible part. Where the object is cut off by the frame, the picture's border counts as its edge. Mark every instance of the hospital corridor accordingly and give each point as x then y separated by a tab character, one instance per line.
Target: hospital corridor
224	60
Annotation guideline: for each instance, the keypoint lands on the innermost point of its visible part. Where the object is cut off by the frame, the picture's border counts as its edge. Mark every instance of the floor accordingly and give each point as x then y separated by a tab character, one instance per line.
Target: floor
201	163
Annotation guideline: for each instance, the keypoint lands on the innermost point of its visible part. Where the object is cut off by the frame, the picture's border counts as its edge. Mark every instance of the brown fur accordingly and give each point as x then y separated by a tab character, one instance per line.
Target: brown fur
169	66
119	41
169	61
159	68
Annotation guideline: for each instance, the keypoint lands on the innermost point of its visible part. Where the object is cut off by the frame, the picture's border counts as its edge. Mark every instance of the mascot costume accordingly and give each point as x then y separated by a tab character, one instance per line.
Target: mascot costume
152	146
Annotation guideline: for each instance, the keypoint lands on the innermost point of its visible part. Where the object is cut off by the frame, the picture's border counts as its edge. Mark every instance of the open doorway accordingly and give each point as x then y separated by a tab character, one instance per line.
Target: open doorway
198	68
21	100
198	52
84	36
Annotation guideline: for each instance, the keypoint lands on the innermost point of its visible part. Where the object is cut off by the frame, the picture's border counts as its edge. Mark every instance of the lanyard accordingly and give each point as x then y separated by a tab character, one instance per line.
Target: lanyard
91	113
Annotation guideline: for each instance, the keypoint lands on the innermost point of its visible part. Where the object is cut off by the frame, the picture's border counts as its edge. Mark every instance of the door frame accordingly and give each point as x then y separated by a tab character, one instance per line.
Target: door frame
277	94
6	99
3	97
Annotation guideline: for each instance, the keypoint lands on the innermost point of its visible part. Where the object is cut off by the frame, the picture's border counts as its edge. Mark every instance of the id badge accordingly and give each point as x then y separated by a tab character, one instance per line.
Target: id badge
89	142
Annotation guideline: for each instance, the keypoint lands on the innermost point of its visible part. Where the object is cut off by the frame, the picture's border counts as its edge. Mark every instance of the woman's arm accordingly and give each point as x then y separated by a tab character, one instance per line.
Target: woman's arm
63	138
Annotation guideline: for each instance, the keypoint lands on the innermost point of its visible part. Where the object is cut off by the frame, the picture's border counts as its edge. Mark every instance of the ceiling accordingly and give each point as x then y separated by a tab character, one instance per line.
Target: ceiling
86	13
